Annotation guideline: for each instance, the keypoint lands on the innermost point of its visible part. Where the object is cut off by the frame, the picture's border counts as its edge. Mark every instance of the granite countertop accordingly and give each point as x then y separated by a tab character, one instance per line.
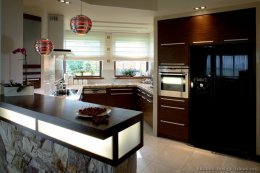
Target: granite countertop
146	87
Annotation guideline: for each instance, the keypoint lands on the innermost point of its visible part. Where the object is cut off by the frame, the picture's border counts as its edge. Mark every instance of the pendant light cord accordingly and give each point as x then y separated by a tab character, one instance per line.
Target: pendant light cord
81	7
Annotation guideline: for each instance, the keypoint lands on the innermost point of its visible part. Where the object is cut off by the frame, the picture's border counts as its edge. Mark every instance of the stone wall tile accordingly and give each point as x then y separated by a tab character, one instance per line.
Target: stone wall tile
27	145
62	153
30	153
47	146
3	163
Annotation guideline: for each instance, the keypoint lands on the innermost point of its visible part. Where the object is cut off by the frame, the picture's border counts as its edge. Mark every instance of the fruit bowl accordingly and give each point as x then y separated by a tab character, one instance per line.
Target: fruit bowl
93	112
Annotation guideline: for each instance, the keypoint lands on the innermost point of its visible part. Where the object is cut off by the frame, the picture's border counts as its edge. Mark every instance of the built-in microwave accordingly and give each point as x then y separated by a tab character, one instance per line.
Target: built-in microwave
174	81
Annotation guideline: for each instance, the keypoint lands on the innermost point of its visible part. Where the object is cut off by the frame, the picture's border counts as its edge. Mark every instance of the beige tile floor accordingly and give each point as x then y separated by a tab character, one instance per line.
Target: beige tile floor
161	155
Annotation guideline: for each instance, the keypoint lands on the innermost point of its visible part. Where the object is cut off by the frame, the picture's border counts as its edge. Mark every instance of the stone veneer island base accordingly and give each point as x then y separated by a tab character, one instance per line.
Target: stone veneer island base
23	151
29	150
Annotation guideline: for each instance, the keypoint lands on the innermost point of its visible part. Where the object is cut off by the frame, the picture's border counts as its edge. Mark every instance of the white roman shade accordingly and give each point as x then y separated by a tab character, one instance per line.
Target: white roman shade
133	47
85	47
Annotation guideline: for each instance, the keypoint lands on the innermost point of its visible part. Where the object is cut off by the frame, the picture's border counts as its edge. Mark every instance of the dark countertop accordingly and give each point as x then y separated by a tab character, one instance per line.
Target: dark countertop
63	112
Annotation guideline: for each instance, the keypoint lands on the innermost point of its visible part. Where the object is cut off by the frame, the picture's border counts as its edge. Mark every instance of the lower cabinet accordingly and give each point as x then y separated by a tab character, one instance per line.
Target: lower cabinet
94	95
173	119
127	97
145	104
121	97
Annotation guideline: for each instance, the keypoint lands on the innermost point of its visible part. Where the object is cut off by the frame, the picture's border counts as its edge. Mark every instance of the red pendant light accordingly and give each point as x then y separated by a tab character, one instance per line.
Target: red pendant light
44	46
80	24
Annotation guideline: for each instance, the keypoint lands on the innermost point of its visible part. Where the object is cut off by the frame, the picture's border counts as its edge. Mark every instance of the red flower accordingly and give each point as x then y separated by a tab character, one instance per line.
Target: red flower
20	50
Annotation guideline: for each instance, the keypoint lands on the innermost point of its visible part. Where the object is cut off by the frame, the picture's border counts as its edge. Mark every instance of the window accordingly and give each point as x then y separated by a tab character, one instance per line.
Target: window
131	68
81	68
131	46
131	53
88	46
88	53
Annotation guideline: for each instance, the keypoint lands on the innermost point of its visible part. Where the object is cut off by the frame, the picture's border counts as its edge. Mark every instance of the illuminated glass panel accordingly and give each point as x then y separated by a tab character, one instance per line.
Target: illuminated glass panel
85	142
18	118
129	139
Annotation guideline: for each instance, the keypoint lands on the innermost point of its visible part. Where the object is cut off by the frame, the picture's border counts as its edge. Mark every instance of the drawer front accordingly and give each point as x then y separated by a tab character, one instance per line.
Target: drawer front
173	114
173	131
97	98
172	101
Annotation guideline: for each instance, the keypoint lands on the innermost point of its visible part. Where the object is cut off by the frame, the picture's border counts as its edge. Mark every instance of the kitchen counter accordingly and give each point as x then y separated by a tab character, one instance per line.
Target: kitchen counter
146	87
39	113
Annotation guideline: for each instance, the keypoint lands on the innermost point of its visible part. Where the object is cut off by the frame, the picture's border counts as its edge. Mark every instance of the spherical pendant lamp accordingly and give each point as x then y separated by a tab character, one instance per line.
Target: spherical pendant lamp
80	24
44	46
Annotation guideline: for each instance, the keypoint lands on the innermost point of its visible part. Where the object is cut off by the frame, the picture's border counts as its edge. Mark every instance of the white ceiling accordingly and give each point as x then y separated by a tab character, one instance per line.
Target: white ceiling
122	15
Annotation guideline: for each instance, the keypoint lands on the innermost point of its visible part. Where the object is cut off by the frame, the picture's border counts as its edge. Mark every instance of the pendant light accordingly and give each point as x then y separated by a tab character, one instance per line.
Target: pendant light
80	24
44	46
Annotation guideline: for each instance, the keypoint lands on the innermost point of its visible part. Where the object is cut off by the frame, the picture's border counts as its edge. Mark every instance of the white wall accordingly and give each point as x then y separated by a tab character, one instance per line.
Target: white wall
1	41
257	6
31	32
12	38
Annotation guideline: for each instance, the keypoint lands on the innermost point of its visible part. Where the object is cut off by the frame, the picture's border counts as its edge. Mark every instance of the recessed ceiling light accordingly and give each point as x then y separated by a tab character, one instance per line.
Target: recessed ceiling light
65	2
199	8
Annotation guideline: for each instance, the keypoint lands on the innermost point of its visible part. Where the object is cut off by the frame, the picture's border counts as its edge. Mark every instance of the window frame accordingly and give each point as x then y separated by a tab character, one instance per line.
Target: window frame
130	77
89	77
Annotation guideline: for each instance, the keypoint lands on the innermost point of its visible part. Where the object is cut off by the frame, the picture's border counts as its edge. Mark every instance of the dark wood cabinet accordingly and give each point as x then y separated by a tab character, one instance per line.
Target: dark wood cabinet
94	95
121	97
173	53
173	36
203	28
173	118
145	104
173	30
176	35
236	25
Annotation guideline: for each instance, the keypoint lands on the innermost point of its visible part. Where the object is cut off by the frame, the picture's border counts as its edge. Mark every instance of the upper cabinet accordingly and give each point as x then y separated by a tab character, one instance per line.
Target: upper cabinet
173	53
203	28
239	25
173	30
175	35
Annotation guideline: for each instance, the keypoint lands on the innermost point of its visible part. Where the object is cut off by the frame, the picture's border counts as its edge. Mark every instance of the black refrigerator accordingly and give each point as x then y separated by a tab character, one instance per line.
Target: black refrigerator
222	98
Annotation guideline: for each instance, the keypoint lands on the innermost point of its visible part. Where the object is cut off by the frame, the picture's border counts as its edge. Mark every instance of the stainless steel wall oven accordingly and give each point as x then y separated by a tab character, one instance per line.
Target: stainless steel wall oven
174	81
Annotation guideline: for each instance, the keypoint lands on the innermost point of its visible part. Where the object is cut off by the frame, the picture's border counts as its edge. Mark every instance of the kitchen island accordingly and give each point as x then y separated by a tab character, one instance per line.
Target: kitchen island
45	133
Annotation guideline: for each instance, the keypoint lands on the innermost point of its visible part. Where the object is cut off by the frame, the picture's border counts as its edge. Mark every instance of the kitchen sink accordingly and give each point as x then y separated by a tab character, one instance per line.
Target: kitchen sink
66	92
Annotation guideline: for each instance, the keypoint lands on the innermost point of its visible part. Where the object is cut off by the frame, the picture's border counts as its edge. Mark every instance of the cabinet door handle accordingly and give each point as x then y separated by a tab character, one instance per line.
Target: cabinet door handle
172	107
200	42
172	44
169	122
139	90
149	101
236	39
113	94
176	100
177	64
149	95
